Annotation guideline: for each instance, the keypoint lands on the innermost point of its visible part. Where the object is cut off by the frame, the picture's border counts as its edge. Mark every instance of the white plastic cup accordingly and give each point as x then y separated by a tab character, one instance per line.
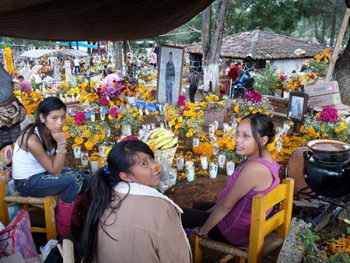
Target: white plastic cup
189	164
77	152
94	165
180	162
190	173
102	151
221	160
172	176
204	162
230	168
213	170
93	117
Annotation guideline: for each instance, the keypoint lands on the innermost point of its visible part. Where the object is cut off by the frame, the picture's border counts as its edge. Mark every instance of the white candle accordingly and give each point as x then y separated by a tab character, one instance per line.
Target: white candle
204	162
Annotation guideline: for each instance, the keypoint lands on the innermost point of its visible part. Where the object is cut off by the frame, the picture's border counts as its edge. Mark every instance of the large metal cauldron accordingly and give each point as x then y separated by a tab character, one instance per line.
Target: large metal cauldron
327	167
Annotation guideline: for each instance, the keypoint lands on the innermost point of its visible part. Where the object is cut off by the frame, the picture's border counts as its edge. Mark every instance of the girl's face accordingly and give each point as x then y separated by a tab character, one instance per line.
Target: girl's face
145	171
245	143
55	120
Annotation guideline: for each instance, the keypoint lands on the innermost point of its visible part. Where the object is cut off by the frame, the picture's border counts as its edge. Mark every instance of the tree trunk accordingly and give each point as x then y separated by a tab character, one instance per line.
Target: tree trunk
118	45
342	74
212	35
211	76
334	24
323	30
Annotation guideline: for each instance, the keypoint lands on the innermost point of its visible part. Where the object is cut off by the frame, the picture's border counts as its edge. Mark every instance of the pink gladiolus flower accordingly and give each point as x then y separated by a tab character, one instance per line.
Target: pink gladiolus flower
79	118
329	114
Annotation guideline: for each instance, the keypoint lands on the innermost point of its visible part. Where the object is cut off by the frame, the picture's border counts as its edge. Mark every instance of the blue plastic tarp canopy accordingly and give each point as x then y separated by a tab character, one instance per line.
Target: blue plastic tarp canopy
74	44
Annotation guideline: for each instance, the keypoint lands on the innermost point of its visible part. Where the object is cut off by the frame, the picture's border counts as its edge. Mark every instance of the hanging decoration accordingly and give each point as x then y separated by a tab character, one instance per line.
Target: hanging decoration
8	60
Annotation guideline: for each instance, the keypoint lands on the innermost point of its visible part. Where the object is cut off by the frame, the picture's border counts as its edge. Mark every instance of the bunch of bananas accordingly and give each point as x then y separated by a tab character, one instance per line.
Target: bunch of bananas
162	139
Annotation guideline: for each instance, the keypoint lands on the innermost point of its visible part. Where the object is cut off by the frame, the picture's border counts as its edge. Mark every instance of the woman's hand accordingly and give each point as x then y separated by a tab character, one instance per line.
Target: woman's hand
59	136
199	232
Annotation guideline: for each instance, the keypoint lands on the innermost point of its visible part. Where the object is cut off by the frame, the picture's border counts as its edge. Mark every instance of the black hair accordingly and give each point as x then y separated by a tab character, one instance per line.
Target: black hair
45	107
261	125
121	158
20	77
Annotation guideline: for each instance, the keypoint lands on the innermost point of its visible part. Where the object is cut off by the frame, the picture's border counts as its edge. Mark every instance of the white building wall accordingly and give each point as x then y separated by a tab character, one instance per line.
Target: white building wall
286	66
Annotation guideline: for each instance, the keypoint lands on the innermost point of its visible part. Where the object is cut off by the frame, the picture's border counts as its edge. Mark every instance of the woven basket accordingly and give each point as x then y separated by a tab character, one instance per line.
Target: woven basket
167	155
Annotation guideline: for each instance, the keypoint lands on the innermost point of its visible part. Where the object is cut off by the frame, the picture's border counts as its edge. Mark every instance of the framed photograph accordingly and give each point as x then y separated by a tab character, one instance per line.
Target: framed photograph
170	62
297	106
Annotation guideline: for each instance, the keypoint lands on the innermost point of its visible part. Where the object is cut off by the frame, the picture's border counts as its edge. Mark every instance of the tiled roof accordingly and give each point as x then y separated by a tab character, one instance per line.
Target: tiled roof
262	45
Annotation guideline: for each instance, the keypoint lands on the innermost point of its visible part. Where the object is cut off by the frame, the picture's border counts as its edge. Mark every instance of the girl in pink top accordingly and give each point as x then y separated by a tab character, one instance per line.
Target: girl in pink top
228	220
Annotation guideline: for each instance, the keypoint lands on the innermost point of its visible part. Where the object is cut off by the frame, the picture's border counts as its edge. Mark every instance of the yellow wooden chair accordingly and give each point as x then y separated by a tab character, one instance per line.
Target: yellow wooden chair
48	204
259	229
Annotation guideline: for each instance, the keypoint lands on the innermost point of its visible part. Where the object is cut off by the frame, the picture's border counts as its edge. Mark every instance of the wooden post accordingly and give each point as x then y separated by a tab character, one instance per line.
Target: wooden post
337	45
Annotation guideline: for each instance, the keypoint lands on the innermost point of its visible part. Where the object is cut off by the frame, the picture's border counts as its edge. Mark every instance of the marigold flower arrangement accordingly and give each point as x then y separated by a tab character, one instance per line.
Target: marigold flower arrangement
252	102
326	125
227	146
125	116
294	83
147	94
80	131
29	101
204	148
319	64
184	119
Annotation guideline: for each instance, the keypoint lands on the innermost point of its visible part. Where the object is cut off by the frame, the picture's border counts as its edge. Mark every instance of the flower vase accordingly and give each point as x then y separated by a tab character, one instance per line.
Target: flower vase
126	130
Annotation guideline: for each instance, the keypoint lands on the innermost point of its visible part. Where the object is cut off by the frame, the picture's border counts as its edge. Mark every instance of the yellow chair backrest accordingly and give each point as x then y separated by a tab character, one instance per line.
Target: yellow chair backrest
260	226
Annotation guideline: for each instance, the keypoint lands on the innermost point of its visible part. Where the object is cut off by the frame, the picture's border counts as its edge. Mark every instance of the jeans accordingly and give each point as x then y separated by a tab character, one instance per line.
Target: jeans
196	217
193	90
168	91
68	184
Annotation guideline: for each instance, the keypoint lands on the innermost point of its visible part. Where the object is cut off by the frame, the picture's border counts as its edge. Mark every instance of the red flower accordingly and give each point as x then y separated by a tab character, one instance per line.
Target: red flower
79	118
253	96
153	92
104	101
283	78
329	114
114	113
181	101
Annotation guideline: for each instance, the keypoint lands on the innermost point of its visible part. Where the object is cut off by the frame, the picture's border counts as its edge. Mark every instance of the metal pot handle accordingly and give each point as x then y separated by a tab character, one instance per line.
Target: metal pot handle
308	154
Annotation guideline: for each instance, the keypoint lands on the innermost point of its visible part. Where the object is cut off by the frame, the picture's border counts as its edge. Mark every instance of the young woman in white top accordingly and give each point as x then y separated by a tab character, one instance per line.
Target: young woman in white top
38	164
